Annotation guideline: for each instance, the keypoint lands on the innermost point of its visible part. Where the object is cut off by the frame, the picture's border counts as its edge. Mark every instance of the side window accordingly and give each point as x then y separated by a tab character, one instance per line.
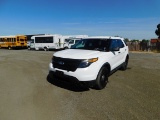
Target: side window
76	41
113	44
120	44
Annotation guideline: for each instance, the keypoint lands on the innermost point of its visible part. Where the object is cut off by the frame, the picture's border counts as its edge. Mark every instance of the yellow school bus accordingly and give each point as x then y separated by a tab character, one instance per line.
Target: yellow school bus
11	42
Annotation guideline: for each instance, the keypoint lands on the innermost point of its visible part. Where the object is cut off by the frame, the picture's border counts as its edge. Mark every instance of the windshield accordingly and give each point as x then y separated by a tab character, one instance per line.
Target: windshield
71	42
92	44
67	40
32	40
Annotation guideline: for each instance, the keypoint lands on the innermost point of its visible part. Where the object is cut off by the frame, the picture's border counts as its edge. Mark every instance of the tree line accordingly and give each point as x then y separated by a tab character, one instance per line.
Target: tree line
157	32
135	40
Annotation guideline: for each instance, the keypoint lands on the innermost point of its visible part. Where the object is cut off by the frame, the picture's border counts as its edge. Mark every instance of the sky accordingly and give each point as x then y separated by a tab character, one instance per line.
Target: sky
132	19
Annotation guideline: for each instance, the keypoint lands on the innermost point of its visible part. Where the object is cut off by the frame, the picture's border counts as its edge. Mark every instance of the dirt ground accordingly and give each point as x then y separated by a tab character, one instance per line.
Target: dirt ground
27	94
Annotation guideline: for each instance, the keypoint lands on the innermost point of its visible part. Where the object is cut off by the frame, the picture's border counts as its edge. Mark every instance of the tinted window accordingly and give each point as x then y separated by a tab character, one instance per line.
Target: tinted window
116	43
92	44
113	44
77	41
43	39
120	44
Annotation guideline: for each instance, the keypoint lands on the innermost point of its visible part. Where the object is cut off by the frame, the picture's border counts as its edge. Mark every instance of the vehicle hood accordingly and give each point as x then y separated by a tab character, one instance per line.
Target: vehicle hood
77	54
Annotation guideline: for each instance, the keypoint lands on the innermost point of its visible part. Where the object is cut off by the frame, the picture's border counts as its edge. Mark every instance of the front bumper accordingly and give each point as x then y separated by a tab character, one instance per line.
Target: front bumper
71	79
81	74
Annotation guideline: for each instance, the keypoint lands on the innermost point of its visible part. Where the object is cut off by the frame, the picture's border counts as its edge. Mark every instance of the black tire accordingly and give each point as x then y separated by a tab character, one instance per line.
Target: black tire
9	48
45	49
102	79
124	65
65	47
29	48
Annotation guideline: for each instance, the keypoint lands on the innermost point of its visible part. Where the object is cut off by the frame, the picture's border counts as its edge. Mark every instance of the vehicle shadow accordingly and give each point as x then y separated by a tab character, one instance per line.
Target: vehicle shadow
59	82
76	87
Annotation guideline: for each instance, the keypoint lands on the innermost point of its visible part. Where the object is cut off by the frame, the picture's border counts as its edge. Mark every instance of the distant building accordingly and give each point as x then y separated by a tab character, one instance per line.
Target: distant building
155	40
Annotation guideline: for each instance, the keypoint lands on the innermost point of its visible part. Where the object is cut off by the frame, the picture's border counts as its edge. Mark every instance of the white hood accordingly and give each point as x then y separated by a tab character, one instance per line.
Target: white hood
77	54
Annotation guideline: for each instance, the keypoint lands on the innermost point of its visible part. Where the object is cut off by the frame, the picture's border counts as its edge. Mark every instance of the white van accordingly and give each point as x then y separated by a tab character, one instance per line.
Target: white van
46	42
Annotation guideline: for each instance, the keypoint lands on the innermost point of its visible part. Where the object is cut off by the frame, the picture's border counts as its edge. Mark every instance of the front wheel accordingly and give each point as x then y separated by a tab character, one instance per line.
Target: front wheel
65	47
102	78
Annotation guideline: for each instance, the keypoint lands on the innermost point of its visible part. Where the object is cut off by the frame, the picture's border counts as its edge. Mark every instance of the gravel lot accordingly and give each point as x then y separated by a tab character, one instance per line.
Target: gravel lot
27	94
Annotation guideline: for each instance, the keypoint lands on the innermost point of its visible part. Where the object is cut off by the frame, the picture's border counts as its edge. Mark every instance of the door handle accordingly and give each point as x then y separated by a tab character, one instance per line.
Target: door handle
119	52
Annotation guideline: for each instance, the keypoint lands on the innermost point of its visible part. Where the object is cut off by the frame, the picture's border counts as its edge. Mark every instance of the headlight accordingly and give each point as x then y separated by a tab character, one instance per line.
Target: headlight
86	63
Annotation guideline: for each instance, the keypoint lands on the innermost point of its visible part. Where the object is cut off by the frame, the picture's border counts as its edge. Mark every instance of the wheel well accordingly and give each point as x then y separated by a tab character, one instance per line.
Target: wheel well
107	65
127	57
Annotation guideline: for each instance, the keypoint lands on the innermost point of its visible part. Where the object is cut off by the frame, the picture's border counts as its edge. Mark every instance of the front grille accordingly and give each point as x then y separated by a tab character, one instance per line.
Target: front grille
66	63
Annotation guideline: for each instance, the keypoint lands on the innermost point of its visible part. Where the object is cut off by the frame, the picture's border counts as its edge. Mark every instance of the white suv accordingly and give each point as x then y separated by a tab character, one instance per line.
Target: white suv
90	61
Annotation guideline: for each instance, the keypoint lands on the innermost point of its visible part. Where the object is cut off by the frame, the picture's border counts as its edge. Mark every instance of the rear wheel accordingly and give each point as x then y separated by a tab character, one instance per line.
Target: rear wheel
45	49
125	64
102	78
29	48
9	47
